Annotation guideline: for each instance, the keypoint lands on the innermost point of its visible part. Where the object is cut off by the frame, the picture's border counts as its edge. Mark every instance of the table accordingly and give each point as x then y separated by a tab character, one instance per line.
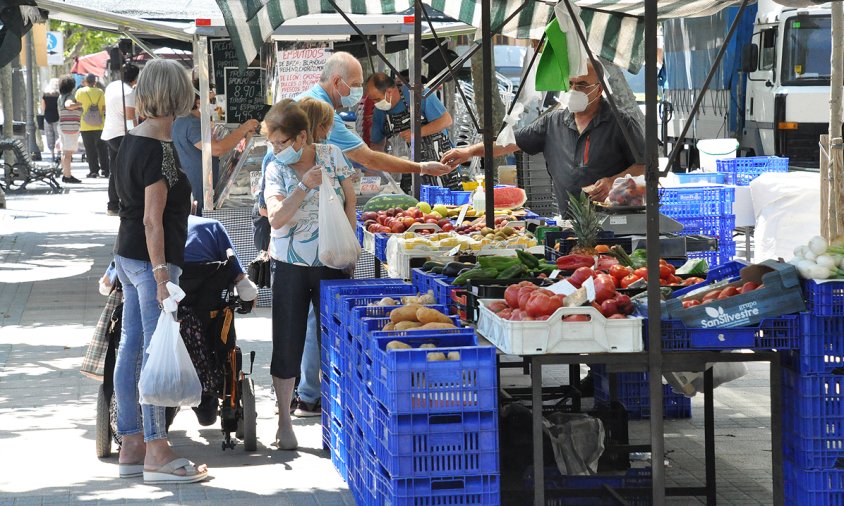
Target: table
674	361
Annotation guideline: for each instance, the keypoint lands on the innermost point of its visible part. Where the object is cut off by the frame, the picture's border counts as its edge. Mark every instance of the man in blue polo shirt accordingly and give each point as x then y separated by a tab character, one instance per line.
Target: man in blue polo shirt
391	118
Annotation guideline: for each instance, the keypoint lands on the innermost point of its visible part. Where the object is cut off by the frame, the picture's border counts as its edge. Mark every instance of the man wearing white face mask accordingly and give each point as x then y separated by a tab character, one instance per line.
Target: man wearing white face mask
392	119
341	86
583	145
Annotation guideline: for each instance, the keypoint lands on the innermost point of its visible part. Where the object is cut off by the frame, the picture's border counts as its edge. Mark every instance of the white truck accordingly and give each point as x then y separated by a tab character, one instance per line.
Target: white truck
772	90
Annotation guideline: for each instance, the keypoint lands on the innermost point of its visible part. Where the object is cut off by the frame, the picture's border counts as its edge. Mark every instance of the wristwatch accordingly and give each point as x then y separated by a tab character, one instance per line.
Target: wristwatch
304	188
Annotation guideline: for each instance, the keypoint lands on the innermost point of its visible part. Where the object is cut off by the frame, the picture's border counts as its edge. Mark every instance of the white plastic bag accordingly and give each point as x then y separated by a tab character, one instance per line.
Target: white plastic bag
169	377
627	191
338	246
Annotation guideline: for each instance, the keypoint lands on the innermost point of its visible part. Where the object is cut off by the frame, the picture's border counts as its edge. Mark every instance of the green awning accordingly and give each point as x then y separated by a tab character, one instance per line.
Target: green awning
615	28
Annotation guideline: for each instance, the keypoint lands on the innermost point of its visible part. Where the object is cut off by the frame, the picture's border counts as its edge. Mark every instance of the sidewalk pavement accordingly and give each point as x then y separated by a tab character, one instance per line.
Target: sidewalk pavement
53	249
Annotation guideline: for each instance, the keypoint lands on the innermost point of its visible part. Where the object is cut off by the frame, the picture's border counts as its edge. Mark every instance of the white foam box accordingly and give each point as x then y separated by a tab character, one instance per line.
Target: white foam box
552	336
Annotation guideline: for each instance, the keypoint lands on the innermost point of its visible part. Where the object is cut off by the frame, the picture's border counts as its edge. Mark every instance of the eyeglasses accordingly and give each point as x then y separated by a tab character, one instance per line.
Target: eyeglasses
582	85
279	145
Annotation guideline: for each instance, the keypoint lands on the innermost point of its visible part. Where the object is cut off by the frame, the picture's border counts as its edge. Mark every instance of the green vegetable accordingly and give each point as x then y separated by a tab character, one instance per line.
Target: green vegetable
621	255
545	268
497	263
516	271
478	273
382	202
430	265
437	269
452	269
639	258
530	261
694	267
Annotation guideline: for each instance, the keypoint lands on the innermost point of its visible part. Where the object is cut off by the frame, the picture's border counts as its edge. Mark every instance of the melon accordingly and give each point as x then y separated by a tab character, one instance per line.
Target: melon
509	197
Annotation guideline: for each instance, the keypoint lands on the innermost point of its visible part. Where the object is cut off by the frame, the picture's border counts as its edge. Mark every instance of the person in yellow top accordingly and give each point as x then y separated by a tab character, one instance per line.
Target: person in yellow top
92	100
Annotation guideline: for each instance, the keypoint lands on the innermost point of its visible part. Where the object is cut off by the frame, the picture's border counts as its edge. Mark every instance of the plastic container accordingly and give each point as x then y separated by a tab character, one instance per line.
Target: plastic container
781	333
723	272
813	487
422	446
741	171
821	347
330	291
725	253
406	382
481	490
720	226
695	201
459	198
423	281
339	454
632	390
599	335
711	150
700	177
479	198
442	291
824	298
360	325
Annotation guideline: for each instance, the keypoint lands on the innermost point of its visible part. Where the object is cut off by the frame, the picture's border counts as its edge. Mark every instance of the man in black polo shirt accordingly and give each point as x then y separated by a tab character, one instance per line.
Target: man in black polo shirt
583	145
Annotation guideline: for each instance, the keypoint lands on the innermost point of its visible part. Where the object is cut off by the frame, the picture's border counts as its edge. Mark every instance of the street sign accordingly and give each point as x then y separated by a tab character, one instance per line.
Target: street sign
55	48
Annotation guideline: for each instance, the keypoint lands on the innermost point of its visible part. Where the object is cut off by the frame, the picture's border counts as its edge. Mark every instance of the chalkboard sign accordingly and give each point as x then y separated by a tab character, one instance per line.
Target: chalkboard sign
222	55
245	98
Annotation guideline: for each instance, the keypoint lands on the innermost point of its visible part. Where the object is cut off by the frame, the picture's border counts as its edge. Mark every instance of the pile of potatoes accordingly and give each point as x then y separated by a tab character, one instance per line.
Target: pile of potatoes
416	317
434	356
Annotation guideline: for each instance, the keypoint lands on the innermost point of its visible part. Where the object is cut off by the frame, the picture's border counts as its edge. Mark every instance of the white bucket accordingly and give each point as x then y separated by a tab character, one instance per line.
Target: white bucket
715	149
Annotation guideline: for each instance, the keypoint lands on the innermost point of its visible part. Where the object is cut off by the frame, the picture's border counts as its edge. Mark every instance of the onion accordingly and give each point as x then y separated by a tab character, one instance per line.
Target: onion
818	245
800	251
819	272
810	256
804	267
826	261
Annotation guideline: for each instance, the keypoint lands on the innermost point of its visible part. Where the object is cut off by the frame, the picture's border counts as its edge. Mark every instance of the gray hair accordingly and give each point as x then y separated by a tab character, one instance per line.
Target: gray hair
163	90
339	63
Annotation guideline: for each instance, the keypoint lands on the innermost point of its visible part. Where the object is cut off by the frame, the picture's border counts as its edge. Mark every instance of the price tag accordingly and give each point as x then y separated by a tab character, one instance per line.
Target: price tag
589	285
462	215
563	288
370	184
554	274
453	251
618	220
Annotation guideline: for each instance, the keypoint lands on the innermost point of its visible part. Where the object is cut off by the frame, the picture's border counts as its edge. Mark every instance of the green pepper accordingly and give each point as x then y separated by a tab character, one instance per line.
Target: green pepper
530	261
496	262
475	274
516	271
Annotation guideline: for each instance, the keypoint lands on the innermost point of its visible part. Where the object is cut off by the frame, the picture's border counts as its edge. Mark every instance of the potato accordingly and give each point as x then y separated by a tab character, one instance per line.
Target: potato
407	325
454	355
428	315
427	346
436	356
389	326
436	326
404	314
387	301
398	345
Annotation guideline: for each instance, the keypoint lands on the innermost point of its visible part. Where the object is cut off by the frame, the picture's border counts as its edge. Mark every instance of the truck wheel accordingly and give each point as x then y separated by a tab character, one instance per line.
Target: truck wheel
103	431
250	417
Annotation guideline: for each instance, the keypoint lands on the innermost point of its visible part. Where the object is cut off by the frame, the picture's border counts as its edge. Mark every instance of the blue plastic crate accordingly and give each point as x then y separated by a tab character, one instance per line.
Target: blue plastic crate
781	333
821	348
700	177
442	291
696	201
330	291
339	454
480	490
720	272
346	303
424	281
633	392
381	246
459	198
824	299
361	479
421	446
405	382
360	326
725	253
815	487
332	350
326	426
741	171
556	482
359	233
713	226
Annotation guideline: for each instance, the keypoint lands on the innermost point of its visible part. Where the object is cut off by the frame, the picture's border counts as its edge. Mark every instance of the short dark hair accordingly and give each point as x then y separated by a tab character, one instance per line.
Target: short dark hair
130	73
66	84
381	81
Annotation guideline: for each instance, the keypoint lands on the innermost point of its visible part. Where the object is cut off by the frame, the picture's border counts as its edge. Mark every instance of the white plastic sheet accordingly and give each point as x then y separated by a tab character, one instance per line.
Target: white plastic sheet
787	207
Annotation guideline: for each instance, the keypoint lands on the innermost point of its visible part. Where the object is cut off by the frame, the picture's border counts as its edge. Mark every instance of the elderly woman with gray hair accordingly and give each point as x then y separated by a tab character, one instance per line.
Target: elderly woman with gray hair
150	250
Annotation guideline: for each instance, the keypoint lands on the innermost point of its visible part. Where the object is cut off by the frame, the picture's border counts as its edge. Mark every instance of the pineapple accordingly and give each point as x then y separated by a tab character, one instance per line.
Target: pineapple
586	223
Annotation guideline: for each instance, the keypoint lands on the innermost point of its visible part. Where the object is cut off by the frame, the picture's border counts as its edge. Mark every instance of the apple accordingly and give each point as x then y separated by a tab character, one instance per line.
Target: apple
369	215
408	221
448	227
397	227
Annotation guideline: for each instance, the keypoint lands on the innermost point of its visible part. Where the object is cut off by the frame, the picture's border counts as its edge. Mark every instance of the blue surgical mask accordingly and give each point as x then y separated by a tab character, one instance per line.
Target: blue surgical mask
354	96
289	155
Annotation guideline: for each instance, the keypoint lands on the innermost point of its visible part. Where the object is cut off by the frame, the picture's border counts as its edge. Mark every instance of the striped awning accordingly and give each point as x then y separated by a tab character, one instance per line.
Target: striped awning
615	28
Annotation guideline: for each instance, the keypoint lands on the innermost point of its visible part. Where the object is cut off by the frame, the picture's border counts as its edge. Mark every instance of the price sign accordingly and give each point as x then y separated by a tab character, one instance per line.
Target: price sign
563	288
245	94
223	55
370	184
298	70
462	214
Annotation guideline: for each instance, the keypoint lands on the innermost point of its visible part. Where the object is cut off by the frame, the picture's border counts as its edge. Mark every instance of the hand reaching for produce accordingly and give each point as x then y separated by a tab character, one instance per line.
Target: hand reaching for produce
434	169
313	178
456	156
598	192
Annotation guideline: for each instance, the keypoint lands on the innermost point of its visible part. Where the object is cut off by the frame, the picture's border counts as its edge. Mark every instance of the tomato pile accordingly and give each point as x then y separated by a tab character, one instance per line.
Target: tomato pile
626	276
722	294
397	220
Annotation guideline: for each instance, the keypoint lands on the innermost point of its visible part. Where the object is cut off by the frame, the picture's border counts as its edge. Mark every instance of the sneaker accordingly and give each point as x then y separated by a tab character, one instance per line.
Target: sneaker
306	409
70	179
92	175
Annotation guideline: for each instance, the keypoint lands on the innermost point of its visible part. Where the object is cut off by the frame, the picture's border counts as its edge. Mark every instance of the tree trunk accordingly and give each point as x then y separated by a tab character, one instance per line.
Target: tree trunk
497	104
835	117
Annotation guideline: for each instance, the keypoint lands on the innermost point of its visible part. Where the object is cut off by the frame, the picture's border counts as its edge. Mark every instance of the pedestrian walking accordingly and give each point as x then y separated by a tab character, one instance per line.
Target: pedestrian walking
50	110
70	115
92	100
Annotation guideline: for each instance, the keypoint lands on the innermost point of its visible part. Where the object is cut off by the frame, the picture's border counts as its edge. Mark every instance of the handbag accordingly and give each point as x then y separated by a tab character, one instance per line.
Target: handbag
93	365
260	270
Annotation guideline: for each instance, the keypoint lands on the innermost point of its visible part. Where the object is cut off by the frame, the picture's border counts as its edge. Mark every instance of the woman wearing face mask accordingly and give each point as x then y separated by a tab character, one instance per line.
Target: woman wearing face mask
583	144
391	119
291	192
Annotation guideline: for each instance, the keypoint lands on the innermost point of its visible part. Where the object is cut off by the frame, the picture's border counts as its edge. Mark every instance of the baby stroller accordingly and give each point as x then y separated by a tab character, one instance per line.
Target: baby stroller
207	322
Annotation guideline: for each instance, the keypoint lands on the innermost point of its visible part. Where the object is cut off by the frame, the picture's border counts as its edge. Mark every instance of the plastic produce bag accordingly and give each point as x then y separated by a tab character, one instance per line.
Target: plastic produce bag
338	246
169	377
578	442
627	191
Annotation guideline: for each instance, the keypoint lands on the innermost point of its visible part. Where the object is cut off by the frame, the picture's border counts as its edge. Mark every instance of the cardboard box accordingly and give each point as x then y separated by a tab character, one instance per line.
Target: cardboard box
780	295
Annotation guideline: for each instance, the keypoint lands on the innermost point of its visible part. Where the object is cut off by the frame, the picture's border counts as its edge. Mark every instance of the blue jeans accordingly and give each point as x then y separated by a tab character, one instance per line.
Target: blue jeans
309	387
140	316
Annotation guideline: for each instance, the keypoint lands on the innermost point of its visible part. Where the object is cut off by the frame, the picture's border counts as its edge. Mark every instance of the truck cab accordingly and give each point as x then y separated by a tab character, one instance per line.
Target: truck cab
787	67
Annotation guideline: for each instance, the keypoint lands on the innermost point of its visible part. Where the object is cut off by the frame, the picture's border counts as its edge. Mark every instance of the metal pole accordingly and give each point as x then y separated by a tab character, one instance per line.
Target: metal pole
709	435
416	93
31	145
200	52
381	48
652	243
536	427
489	175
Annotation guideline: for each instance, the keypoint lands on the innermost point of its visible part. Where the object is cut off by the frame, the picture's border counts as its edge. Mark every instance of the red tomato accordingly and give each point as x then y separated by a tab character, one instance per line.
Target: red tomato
609	307
748	287
511	295
665	272
714	294
541	304
642	272
505	313
604	287
675	280
728	292
629	280
517	315
690	303
619	271
497	306
561	298
692	281
524	295
581	275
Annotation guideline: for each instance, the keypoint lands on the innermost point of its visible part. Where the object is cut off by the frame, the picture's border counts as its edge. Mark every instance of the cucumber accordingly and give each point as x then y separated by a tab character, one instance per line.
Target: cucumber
382	202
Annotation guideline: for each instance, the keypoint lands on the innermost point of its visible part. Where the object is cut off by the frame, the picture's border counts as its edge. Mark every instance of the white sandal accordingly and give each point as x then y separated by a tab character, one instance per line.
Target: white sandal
166	473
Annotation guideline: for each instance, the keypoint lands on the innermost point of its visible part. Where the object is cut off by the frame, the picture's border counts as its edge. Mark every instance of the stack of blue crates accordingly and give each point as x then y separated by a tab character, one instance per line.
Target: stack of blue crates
813	401
632	391
438	283
704	210
741	171
409	430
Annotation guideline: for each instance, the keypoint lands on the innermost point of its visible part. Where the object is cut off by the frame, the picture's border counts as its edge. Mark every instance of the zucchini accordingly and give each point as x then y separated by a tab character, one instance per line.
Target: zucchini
477	273
452	269
430	265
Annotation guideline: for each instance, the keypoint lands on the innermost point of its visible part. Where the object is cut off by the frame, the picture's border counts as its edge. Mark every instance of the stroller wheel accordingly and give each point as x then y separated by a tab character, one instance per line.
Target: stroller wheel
103	431
250	417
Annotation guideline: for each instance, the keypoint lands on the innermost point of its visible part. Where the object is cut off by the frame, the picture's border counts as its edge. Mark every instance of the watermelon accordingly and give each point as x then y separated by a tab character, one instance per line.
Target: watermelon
509	197
382	202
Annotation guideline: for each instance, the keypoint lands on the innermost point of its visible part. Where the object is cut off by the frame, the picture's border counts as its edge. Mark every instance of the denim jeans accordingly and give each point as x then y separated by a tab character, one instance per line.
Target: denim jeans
309	387
140	316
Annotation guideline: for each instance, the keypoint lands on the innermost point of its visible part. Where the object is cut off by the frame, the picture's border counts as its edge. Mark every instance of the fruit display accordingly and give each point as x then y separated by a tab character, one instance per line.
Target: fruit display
725	293
820	259
509	197
417	317
428	241
397	220
586	224
384	202
627	191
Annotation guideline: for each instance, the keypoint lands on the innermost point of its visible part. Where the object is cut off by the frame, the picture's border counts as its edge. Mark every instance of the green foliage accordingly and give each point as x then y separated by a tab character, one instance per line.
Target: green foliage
80	40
